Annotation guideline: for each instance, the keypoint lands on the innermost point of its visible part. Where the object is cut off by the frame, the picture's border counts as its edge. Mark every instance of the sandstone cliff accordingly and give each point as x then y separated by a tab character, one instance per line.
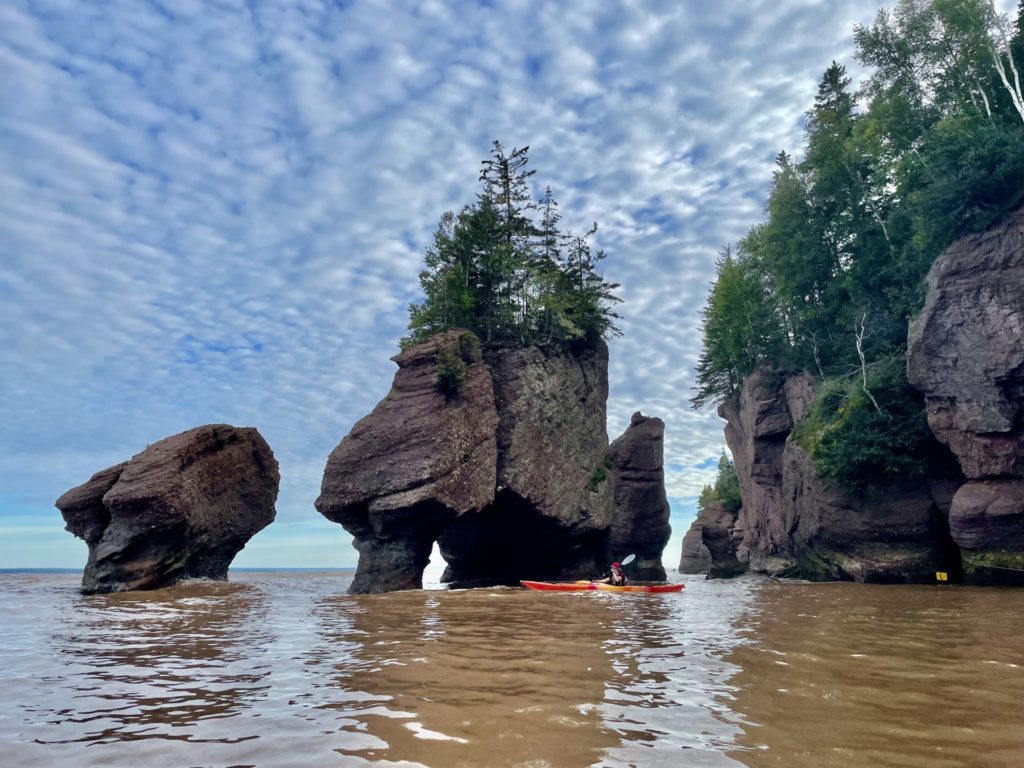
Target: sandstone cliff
512	476
794	522
183	508
966	353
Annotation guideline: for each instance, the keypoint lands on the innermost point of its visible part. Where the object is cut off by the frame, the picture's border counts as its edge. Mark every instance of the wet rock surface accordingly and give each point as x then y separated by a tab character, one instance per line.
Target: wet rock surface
183	508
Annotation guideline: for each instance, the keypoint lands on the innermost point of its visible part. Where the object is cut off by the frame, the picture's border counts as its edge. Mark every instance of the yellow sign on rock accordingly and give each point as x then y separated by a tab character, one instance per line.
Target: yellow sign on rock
941	576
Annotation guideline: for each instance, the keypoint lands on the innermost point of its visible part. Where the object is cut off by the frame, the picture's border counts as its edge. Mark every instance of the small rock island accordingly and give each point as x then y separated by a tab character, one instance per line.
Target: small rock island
183	508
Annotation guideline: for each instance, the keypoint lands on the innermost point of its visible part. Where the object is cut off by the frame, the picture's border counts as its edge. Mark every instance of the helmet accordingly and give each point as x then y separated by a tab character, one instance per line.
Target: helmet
616	565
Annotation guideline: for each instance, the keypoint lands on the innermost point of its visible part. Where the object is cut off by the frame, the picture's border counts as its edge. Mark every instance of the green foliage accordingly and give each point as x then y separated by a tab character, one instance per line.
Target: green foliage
727	485
600	473
726	489
853	442
828	281
502	268
971	170
740	328
599	476
451	371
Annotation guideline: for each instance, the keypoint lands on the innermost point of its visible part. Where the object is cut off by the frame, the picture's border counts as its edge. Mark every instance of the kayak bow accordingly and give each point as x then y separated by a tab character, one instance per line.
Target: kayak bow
590	586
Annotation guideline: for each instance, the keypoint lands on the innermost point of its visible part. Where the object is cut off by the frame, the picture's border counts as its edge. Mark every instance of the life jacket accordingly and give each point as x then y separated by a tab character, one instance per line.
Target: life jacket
618	578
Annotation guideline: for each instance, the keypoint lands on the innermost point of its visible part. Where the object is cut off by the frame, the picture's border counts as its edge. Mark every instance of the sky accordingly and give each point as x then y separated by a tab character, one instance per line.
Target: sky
216	212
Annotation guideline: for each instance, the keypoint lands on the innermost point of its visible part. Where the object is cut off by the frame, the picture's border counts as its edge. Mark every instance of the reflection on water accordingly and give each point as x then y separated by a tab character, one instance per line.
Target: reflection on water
442	678
285	669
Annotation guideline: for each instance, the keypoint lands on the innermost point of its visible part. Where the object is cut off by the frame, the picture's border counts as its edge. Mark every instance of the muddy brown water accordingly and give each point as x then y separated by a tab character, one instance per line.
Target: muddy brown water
285	669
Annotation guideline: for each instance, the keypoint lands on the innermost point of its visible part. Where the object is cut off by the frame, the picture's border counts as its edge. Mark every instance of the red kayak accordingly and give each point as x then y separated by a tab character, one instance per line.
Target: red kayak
591	586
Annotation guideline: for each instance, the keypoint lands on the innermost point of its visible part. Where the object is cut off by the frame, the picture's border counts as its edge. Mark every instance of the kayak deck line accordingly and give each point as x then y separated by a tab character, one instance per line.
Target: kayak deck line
590	586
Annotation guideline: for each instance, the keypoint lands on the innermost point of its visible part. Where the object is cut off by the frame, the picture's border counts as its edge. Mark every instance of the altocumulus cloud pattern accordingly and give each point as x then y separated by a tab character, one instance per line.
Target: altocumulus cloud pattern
216	211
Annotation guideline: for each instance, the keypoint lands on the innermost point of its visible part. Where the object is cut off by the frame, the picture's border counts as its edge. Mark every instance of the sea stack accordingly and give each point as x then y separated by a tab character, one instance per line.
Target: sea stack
183	508
506	465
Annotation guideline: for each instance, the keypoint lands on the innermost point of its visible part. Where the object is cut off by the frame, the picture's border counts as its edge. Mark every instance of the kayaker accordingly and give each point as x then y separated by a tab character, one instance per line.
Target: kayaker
617	577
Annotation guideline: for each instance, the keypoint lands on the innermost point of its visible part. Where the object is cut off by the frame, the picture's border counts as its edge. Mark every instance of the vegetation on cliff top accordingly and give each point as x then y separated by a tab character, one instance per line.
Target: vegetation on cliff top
726	489
503	269
930	148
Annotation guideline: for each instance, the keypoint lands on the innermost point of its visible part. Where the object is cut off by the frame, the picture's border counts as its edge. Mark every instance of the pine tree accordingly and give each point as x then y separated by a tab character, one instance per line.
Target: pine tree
510	279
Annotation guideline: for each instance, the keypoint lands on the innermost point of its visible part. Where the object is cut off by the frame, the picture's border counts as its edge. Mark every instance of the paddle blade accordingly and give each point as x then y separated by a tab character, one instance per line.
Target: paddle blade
628	559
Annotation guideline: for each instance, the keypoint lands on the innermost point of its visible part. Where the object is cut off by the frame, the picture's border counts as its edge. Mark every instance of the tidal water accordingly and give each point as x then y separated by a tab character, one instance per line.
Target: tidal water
285	669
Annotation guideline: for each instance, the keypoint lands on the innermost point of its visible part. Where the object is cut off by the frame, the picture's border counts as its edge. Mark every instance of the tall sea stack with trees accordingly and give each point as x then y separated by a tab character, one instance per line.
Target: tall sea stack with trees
847	468
493	440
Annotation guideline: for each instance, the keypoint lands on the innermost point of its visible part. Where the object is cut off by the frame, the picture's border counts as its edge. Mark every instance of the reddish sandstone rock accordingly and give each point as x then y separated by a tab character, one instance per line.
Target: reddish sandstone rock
553	500
640	524
722	537
420	459
966	350
759	420
966	353
695	557
183	508
511	475
795	522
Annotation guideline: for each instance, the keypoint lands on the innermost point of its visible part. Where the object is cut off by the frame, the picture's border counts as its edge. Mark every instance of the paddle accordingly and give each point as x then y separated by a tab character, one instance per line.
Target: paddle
625	561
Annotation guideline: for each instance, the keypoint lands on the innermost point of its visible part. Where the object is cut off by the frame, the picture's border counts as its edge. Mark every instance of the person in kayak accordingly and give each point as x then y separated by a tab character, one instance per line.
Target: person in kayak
617	577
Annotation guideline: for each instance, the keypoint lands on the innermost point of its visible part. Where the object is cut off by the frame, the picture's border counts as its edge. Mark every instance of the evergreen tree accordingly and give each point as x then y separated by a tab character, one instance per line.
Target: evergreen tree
509	278
740	329
828	282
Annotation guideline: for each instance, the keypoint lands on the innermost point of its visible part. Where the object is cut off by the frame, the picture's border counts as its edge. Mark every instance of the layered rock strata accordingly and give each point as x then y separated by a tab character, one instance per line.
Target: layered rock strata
420	459
794	522
640	524
511	474
966	354
183	508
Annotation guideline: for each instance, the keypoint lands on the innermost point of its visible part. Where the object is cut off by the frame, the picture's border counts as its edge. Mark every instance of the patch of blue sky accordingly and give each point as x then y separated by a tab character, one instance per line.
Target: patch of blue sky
214	212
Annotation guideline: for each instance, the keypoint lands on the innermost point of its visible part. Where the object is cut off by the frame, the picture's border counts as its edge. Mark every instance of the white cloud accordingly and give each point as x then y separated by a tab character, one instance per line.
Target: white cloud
217	213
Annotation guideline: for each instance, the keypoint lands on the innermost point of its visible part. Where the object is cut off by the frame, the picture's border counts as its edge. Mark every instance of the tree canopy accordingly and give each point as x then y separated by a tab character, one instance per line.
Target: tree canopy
726	488
929	148
503	269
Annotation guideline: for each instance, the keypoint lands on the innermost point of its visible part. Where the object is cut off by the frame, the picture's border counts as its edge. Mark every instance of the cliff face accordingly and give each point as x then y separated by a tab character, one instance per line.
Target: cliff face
795	522
553	501
758	422
966	353
183	508
415	463
512	476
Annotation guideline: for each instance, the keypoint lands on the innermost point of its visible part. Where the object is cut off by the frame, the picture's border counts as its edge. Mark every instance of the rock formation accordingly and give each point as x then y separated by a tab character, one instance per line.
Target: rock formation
966	353
552	502
695	557
512	474
183	508
795	522
414	464
640	524
722	537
